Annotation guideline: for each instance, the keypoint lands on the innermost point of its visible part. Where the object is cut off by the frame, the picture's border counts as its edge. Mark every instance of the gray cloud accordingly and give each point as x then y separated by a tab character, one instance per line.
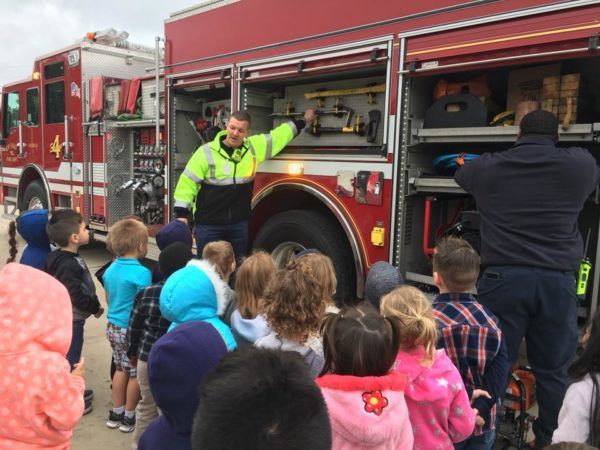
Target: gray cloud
31	28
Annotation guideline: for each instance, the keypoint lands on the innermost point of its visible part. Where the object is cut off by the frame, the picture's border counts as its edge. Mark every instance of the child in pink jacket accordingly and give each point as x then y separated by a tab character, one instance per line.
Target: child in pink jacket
438	404
365	400
40	399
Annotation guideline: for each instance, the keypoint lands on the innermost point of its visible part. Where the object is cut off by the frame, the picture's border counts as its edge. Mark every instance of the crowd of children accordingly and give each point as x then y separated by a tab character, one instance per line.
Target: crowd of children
272	363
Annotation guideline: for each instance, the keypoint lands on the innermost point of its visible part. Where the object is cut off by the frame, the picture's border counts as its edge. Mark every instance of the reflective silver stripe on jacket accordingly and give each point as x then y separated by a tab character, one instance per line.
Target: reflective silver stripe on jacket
182	204
210	160
229	181
293	126
192	176
269	152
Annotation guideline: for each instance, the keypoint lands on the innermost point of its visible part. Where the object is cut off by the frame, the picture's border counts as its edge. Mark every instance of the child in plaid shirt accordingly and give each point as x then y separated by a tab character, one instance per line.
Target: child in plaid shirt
470	334
146	326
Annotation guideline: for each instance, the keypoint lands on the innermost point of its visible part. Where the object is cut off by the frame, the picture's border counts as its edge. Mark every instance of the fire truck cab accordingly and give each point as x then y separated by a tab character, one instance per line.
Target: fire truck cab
66	133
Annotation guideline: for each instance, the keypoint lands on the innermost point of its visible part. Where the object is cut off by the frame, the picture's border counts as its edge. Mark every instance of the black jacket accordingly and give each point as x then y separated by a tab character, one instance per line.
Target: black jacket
70	269
529	198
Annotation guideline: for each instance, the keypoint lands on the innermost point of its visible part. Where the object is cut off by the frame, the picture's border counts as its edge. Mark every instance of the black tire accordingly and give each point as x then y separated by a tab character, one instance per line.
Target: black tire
35	191
302	229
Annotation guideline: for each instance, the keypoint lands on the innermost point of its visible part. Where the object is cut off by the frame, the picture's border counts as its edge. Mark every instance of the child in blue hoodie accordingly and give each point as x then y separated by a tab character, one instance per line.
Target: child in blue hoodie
31	225
174	231
177	364
197	292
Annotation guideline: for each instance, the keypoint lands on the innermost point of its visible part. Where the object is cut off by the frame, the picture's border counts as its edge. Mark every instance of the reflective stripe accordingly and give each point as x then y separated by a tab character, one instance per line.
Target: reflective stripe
210	160
182	204
269	152
229	181
293	127
192	176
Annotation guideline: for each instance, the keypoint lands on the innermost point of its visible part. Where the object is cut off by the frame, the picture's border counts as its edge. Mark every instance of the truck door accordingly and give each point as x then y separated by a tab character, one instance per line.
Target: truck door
32	133
55	107
11	119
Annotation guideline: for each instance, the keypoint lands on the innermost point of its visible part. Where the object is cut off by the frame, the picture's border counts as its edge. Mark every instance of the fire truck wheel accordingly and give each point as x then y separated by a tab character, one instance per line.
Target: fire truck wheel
290	232
34	196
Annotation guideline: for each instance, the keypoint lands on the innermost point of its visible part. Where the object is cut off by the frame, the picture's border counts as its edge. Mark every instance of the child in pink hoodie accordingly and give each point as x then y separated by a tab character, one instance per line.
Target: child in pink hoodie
438	404
365	400
41	400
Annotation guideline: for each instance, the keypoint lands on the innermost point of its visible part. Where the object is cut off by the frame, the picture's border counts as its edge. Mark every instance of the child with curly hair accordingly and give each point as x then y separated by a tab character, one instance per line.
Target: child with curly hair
294	306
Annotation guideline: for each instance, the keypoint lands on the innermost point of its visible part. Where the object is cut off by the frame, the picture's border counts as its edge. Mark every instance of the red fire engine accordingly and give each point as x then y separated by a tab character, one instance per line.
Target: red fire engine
399	87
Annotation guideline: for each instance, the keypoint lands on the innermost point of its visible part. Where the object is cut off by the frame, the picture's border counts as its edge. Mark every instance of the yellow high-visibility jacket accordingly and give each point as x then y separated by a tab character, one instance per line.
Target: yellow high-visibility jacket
222	184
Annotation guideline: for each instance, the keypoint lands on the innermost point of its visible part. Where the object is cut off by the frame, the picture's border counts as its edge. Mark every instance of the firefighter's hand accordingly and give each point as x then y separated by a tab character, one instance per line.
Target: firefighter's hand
183	219
99	313
309	115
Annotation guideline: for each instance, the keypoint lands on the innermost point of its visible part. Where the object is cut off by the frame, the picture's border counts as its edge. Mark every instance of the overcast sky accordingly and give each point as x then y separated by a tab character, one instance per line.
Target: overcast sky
30	28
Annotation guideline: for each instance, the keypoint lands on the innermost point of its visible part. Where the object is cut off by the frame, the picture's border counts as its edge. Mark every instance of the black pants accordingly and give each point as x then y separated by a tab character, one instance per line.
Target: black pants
539	305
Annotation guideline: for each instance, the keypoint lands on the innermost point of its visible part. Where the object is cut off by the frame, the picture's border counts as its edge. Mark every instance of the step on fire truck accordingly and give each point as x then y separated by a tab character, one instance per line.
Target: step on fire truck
399	87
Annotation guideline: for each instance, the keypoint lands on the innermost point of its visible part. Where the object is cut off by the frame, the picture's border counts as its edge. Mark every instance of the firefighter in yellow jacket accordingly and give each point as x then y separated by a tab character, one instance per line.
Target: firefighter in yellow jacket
219	177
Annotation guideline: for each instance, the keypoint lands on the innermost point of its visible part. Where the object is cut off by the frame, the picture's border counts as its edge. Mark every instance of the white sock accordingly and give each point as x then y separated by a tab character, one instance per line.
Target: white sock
119	410
129	414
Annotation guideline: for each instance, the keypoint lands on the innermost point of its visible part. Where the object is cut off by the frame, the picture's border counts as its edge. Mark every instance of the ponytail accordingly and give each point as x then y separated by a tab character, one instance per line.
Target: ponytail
12	241
412	311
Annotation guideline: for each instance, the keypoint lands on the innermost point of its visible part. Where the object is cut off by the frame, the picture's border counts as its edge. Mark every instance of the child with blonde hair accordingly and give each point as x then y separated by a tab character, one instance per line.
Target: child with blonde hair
364	395
123	279
252	278
438	404
294	306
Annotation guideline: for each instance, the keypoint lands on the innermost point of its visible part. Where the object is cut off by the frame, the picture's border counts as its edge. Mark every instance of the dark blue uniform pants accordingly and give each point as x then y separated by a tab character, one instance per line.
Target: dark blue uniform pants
236	234
539	305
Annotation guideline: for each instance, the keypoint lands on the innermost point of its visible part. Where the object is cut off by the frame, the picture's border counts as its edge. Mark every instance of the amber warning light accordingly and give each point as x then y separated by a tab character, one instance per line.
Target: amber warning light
295	168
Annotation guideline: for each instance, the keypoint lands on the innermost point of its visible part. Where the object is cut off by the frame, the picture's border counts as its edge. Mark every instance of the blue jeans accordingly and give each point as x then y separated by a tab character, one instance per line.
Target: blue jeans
74	353
539	305
484	441
235	233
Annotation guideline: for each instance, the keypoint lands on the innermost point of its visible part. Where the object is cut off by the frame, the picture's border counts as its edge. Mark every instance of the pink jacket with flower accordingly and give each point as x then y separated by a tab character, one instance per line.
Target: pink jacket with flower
438	404
367	412
40	400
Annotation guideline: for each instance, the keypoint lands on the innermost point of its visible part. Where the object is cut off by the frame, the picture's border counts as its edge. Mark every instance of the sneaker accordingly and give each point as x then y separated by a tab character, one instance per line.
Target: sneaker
88	394
127	425
114	419
87	406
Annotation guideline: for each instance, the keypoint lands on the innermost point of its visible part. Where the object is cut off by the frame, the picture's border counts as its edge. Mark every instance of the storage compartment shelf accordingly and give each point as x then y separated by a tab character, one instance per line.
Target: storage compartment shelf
435	184
139	123
588	132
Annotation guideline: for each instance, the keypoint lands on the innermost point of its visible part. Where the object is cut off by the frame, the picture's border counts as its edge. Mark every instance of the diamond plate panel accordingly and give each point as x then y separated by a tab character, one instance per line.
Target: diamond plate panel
119	169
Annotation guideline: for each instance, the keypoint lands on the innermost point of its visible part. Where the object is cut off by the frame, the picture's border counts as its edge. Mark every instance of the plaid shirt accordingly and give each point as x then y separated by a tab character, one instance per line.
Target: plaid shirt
146	324
472	338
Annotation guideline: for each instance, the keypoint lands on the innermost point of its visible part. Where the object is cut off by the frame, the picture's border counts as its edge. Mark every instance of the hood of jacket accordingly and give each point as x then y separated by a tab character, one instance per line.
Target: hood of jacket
249	329
31	225
177	363
419	388
367	412
174	231
43	400
36	312
195	292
